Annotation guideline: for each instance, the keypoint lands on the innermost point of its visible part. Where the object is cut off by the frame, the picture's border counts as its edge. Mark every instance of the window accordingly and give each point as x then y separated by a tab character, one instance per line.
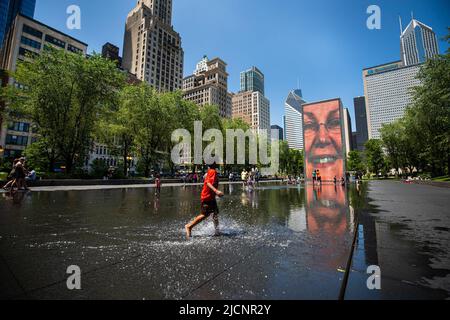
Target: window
31	31
25	52
74	49
56	42
19	126
16	140
31	43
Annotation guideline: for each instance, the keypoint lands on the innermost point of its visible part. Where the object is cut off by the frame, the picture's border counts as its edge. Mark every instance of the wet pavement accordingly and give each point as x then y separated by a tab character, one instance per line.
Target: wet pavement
277	242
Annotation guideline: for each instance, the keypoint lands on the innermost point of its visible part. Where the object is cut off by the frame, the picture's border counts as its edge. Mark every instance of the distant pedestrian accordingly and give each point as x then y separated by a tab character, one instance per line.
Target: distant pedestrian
314	176
158	184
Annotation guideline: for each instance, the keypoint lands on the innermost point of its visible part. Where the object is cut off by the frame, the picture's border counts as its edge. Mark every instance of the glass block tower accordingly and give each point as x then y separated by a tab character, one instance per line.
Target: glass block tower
9	10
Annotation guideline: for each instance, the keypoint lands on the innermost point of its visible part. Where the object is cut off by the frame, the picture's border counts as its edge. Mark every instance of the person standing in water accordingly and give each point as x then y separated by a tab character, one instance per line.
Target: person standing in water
208	201
158	184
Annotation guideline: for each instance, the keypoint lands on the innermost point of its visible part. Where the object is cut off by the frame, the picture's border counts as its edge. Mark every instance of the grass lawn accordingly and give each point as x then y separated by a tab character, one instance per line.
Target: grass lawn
442	179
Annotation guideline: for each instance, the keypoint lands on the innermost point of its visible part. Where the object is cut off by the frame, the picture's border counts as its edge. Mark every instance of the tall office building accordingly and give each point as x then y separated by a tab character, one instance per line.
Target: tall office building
252	80
280	135
293	120
253	108
362	134
418	43
152	49
8	12
209	85
27	38
347	131
250	104
387	89
111	52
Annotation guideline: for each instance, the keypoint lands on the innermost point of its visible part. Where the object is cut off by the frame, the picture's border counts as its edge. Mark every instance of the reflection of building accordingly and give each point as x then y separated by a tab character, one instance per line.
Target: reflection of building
387	90
252	80
362	134
250	104
152	49
209	86
8	12
280	136
293	126
418	43
27	38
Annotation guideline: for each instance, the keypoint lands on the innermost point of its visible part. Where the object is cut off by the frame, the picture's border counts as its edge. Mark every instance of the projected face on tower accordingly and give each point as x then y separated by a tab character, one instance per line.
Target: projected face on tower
322	127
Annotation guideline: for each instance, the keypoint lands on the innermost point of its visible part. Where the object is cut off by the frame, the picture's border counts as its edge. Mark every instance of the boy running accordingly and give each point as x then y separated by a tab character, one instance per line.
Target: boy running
209	203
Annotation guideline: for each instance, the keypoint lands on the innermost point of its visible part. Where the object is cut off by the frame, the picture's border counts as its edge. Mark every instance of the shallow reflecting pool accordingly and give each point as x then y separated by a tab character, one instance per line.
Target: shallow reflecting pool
276	242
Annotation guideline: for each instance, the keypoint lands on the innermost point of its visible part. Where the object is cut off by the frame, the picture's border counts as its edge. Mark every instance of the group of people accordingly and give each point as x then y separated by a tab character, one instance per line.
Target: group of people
249	178
17	178
317	177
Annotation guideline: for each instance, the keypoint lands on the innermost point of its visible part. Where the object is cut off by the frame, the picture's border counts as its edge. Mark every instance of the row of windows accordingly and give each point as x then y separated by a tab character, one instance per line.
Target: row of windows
25	52
31	43
19	126
54	41
32	31
16	140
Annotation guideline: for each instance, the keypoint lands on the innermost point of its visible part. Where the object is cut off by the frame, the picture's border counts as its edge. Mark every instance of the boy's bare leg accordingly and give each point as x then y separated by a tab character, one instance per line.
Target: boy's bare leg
216	223
191	225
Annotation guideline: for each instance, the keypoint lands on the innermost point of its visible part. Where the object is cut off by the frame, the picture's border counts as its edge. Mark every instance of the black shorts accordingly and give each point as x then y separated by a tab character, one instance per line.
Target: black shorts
210	207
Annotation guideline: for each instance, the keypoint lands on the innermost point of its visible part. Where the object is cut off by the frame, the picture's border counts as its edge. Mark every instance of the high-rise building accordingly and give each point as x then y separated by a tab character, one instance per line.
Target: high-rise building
152	49
209	85
418	43
8	12
27	38
250	104
252	80
347	131
280	135
293	120
253	108
362	134
111	52
387	89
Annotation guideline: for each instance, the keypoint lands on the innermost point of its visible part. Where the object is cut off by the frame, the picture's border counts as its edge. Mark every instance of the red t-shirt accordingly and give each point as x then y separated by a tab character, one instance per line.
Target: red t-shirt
207	193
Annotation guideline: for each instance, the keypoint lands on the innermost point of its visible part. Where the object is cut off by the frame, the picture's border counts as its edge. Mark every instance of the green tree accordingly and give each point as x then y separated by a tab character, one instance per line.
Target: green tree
355	161
375	156
64	94
428	117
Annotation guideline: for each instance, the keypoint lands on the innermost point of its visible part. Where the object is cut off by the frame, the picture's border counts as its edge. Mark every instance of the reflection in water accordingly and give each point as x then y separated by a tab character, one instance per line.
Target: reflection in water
327	210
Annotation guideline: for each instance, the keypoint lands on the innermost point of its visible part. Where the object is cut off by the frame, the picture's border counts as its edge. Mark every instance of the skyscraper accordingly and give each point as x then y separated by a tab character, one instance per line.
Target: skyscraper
293	120
209	85
152	49
387	89
362	134
418	43
250	104
280	135
8	11
347	131
252	80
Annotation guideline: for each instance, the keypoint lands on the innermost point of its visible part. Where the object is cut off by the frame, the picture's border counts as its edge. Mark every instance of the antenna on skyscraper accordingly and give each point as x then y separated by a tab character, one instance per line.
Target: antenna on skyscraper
298	83
412	15
401	25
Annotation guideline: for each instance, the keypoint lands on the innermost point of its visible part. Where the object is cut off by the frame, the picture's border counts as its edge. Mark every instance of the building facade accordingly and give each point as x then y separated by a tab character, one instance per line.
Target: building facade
362	134
209	86
28	37
8	12
418	43
280	135
387	89
253	108
252	80
347	131
152	49
293	120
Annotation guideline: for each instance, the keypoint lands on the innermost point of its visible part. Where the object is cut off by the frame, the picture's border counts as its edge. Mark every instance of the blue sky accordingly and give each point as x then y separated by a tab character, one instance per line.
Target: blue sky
323	43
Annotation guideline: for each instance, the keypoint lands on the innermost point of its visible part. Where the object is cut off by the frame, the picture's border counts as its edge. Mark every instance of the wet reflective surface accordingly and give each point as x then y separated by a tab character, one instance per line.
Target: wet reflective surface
277	242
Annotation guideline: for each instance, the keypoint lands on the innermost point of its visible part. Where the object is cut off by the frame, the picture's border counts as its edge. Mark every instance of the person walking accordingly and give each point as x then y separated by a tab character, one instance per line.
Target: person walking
208	201
314	176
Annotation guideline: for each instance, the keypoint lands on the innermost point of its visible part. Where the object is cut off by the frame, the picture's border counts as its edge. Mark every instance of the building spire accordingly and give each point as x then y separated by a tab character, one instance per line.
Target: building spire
412	15
401	25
